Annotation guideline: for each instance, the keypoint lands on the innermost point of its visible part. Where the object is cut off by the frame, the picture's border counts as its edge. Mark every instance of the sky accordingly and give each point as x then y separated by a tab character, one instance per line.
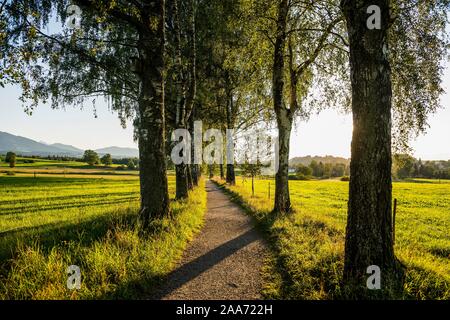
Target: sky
328	133
72	126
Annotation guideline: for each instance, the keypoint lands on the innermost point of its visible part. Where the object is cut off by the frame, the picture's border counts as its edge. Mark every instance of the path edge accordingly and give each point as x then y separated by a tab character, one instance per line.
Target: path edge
274	272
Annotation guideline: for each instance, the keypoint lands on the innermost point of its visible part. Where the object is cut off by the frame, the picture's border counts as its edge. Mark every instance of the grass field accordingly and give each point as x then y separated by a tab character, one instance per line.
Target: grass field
88	218
309	244
44	163
61	168
48	223
66	173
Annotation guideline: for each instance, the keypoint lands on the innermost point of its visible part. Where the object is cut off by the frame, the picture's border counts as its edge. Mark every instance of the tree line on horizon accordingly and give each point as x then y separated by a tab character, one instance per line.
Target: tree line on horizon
321	170
241	63
90	157
406	166
403	166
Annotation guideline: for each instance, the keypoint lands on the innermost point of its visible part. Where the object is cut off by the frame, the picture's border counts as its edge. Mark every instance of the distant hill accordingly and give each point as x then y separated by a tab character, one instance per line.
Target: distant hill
67	147
119	152
9	142
26	146
326	159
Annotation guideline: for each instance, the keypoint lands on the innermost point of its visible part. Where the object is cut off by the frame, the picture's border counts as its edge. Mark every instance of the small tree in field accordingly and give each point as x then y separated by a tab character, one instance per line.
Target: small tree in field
91	157
107	159
131	165
8	156
303	170
12	160
251	170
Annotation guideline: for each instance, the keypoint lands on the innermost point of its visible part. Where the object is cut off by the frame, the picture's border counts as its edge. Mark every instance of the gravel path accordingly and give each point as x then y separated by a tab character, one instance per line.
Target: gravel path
224	261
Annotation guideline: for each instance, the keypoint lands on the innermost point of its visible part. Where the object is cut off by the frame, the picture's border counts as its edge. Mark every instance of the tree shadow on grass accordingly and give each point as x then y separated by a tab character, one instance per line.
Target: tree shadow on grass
320	277
425	284
440	252
84	231
31	205
68	205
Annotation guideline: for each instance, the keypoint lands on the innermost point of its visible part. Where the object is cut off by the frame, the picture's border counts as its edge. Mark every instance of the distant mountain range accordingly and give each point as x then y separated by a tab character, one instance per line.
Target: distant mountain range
26	146
67	147
118	151
326	159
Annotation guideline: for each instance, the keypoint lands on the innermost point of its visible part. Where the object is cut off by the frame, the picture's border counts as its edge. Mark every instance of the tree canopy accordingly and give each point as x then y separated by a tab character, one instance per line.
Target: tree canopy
236	64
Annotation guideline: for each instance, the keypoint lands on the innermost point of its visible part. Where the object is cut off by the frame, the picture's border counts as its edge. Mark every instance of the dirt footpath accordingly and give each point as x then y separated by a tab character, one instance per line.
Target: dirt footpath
224	261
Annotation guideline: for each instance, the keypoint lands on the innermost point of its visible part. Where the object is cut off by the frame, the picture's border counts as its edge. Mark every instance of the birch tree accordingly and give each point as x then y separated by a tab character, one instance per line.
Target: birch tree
116	52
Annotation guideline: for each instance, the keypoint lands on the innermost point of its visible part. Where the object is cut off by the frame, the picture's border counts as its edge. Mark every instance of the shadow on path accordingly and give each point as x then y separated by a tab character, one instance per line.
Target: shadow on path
191	270
224	260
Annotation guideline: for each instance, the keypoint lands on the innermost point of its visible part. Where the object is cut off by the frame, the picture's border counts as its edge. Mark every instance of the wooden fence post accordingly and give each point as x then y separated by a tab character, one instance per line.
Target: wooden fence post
393	221
253	187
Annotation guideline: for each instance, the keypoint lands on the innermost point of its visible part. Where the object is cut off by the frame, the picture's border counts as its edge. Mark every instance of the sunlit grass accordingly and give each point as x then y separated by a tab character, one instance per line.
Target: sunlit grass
50	223
20	162
310	243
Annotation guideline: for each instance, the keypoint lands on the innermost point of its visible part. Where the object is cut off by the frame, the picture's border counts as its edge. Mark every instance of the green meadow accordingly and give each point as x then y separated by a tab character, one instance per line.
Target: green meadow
23	162
41	167
88	218
309	244
50	222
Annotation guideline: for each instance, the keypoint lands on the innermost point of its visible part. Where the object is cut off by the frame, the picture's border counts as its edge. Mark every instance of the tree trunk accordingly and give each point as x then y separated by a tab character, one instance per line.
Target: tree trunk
186	87
222	176
284	117
194	172
190	180
193	167
181	175
230	176
369	224
230	113
151	120
181	181
282	197
198	171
